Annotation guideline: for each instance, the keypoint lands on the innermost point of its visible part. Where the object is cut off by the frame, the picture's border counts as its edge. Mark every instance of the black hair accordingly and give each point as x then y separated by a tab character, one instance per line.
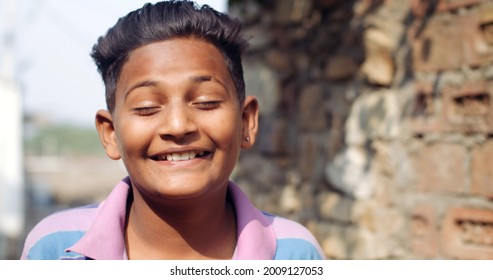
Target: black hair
163	21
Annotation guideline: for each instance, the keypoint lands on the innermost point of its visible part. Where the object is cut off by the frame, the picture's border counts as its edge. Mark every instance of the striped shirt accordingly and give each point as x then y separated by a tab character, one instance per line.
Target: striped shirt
97	232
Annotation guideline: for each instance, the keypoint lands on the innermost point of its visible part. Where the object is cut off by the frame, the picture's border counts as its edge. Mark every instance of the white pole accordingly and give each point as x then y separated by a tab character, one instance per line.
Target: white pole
11	164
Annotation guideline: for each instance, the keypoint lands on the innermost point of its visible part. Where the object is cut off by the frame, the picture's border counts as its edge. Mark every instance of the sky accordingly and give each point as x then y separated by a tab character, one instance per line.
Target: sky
53	40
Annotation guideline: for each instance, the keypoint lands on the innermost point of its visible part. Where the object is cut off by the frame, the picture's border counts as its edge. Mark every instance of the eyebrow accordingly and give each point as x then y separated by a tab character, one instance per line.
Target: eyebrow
193	79
199	79
208	78
147	83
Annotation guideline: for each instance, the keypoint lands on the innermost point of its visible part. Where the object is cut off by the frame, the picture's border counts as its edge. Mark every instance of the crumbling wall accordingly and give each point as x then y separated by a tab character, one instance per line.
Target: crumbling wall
376	125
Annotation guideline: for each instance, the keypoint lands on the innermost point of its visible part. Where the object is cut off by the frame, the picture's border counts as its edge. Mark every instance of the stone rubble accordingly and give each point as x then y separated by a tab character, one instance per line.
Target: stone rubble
376	125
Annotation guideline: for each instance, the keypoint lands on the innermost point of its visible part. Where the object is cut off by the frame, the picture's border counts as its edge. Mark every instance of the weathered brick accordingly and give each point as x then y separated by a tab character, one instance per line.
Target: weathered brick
440	168
421	8
379	65
379	68
444	43
486	14
424	234
468	108
476	29
436	44
373	116
467	233
482	170
425	114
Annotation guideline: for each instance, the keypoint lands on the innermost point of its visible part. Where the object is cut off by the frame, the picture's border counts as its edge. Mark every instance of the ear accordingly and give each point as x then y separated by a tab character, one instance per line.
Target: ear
107	136
250	122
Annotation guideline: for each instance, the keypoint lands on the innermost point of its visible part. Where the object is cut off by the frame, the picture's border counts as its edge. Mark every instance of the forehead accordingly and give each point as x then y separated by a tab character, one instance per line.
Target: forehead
174	57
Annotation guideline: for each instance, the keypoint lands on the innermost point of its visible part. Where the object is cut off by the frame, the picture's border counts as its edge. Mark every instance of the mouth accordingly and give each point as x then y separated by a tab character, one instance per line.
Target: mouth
182	156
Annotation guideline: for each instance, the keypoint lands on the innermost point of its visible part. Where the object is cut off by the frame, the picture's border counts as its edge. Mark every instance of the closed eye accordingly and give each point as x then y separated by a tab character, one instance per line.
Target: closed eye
146	111
208	105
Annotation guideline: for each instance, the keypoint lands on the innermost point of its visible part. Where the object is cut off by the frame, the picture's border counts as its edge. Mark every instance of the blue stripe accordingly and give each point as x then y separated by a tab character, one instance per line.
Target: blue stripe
52	246
296	249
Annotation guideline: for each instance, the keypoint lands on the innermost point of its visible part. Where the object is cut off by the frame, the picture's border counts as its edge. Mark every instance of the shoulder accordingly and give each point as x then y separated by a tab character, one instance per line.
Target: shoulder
294	241
52	235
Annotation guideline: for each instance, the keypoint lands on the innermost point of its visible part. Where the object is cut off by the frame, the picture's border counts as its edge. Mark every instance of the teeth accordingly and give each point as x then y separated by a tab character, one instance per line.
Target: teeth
180	156
176	157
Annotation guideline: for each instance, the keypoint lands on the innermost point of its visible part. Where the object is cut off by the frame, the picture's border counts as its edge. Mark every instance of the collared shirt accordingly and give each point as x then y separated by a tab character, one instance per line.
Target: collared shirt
97	232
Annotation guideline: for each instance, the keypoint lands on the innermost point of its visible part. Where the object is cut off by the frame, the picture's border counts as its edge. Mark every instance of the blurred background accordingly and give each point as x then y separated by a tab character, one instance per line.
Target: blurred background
376	126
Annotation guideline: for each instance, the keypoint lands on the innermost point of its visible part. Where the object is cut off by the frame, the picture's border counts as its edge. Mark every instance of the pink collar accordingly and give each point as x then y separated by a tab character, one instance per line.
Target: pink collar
104	240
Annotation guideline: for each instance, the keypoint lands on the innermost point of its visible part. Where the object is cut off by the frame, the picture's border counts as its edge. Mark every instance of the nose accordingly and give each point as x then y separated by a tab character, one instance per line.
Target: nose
178	122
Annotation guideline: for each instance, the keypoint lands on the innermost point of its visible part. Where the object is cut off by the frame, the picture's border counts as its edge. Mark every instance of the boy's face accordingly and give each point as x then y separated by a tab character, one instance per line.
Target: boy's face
177	123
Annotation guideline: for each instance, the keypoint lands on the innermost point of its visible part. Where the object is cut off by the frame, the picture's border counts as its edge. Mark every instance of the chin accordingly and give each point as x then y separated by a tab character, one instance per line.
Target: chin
179	191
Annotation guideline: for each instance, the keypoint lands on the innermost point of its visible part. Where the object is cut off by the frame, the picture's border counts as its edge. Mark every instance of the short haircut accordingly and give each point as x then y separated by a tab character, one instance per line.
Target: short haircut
164	21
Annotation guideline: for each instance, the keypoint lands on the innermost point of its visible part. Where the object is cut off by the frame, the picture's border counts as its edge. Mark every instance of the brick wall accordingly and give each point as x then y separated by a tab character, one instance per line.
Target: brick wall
376	124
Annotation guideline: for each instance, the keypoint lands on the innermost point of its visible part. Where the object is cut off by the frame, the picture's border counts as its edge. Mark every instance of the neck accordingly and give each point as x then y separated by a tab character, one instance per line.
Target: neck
204	228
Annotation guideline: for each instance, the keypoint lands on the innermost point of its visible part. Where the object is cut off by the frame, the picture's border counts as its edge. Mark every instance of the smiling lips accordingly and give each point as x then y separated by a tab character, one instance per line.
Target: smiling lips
180	156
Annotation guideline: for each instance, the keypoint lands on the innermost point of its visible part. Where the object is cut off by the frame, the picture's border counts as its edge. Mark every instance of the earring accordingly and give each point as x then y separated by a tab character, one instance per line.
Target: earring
247	139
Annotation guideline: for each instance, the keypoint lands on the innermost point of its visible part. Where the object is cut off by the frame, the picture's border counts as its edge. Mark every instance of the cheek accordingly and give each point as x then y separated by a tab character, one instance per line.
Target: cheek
225	131
133	138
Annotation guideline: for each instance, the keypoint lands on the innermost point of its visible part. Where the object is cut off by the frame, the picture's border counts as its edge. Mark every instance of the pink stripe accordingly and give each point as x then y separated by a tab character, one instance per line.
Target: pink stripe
105	239
77	219
256	238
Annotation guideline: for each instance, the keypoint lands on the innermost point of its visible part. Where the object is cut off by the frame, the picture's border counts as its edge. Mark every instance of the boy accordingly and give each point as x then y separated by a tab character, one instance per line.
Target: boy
177	117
